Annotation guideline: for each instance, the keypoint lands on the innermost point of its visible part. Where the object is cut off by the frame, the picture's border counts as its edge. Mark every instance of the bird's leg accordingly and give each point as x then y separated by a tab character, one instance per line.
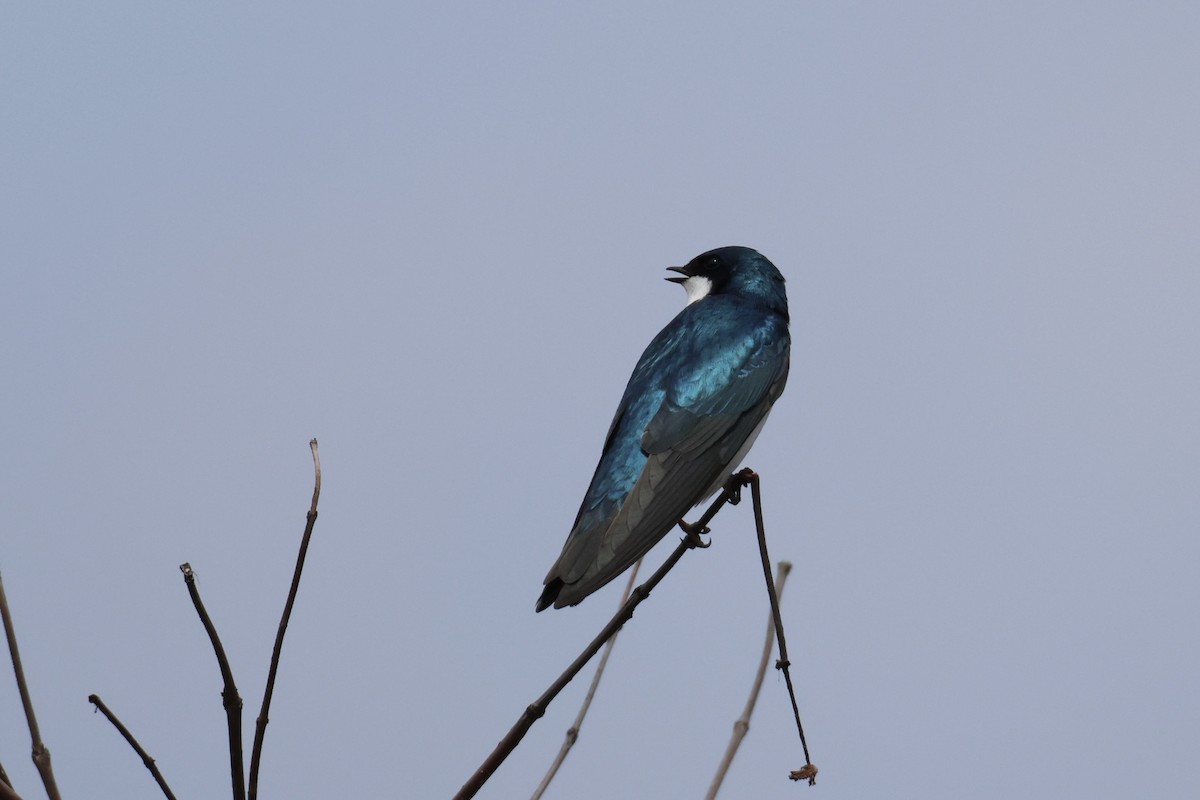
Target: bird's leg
692	534
731	494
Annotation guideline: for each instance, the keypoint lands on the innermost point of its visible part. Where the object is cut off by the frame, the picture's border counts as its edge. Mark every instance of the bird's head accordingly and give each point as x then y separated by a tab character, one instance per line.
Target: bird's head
732	270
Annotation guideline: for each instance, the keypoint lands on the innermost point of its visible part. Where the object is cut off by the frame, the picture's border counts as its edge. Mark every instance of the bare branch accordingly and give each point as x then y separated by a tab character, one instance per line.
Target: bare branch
230	698
260	726
41	755
6	790
573	732
808	771
742	726
95	700
730	494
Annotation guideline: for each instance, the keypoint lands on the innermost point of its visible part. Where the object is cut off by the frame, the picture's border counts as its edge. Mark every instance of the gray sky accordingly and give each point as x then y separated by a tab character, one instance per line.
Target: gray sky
433	236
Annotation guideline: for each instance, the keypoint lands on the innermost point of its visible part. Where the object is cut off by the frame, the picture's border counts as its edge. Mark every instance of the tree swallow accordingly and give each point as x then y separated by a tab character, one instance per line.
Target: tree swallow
697	399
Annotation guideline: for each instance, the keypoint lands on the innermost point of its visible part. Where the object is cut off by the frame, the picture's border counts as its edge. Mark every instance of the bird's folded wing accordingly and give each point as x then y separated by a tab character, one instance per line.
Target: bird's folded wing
689	448
692	417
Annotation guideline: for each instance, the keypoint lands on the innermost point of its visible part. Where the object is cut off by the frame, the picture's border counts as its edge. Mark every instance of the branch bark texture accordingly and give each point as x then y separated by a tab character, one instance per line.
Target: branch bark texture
230	698
730	494
260	726
40	754
95	700
573	732
742	726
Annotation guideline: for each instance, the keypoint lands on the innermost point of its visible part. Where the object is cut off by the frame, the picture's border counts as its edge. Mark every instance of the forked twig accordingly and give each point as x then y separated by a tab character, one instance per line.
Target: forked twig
742	726
40	754
730	494
95	700
808	771
230	698
260	726
573	732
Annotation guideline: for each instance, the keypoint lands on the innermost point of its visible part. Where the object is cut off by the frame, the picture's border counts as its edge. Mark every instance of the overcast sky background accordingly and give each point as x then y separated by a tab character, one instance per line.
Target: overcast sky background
432	235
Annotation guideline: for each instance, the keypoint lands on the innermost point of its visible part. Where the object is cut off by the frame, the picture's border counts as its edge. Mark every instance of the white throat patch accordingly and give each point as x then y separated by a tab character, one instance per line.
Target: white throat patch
697	287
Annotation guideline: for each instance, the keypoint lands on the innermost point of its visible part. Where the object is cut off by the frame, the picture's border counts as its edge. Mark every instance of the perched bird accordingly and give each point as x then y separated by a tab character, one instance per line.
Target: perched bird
697	399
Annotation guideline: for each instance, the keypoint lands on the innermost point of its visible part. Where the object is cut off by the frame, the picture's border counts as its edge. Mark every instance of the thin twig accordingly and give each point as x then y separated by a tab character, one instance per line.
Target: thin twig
730	494
41	755
4	777
742	726
260	726
230	698
573	732
7	792
808	771
95	700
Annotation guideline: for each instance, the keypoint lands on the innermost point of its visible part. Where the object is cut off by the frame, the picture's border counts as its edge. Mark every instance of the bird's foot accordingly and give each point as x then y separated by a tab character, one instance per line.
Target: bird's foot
693	533
733	486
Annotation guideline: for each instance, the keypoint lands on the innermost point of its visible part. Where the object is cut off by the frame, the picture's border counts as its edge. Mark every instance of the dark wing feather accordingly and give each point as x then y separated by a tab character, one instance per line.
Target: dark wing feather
691	443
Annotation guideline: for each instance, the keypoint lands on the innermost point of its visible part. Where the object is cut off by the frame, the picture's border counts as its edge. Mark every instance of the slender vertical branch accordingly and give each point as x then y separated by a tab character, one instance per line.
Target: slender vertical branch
730	494
95	700
230	698
808	771
573	731
260	726
41	755
742	726
4	777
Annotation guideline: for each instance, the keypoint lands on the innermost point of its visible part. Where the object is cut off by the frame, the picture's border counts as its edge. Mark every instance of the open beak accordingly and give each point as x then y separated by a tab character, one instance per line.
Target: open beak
683	274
